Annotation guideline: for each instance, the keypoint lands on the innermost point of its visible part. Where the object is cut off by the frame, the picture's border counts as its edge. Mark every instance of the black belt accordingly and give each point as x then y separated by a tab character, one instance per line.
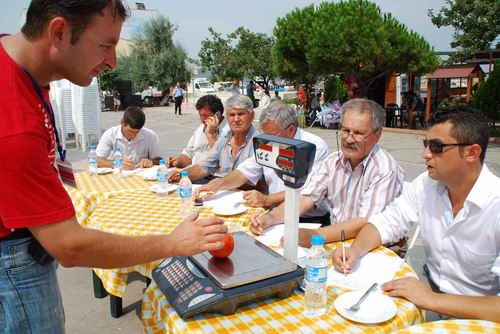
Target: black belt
18	234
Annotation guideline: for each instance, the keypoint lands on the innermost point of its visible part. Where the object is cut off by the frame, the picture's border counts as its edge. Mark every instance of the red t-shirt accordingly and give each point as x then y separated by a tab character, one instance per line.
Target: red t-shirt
31	193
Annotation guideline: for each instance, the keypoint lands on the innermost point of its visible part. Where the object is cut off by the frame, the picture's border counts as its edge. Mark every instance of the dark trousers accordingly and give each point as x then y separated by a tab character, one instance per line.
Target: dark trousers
178	102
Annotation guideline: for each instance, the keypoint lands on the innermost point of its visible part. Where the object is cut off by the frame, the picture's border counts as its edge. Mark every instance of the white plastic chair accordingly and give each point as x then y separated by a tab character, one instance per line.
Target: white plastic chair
86	107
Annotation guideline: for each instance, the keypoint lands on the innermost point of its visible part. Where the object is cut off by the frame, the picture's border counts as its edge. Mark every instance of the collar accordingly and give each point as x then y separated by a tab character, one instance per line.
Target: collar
119	135
251	132
480	192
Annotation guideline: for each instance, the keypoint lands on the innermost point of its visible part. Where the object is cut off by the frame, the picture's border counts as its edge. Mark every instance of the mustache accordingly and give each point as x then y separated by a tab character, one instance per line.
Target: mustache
349	146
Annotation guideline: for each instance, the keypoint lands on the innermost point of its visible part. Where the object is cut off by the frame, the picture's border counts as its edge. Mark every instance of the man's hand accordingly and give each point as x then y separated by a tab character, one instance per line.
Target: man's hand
259	224
211	124
411	289
171	161
174	176
128	163
256	198
193	236
305	235
205	191
145	163
351	256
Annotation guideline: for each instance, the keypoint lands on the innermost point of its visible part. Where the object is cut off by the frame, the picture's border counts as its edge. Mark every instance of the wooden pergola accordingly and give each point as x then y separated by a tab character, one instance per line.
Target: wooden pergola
463	71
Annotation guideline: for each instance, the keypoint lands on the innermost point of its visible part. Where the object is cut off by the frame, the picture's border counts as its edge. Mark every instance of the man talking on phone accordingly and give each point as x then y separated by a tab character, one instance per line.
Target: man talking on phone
211	110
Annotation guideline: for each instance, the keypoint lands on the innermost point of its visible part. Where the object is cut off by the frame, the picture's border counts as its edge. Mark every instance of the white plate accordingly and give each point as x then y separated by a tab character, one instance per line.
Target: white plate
229	210
376	307
171	188
104	170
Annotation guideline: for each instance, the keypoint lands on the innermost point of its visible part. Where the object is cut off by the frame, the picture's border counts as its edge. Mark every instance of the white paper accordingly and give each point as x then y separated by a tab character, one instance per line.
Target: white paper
272	236
370	268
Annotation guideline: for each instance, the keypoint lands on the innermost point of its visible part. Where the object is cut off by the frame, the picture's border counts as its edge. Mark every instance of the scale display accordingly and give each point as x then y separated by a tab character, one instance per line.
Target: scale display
202	283
291	159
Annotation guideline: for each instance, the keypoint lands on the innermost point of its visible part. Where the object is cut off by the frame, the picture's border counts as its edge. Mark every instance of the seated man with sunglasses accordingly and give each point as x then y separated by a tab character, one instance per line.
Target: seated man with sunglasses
358	180
456	204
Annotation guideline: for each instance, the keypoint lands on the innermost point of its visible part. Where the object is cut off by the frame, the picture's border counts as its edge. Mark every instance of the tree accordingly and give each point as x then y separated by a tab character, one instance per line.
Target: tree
476	24
486	97
155	59
352	38
242	53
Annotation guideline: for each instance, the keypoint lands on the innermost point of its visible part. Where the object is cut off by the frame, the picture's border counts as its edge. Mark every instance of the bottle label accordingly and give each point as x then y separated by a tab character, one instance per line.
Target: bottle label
117	162
92	160
185	192
316	275
161	177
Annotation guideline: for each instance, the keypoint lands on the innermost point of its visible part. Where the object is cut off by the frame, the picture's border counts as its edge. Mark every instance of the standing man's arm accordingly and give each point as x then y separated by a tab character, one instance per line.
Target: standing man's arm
78	246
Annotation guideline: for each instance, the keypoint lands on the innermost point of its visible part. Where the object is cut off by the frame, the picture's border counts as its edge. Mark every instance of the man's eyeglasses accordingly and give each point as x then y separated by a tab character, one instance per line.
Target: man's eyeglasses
438	147
359	137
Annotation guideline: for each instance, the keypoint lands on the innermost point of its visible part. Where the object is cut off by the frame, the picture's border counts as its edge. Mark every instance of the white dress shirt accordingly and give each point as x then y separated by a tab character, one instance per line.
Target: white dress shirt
146	145
198	148
463	252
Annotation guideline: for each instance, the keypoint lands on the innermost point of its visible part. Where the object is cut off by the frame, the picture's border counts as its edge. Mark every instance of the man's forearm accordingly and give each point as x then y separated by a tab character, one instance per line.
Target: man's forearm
197	172
305	205
182	161
78	246
232	180
368	238
103	162
212	139
467	307
351	229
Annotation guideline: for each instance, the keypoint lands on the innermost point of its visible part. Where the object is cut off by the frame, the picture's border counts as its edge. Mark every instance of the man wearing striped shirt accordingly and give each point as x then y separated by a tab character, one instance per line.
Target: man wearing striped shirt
358	180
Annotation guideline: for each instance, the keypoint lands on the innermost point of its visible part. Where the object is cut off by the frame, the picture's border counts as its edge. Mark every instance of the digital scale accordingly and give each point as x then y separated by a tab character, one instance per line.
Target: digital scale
202	283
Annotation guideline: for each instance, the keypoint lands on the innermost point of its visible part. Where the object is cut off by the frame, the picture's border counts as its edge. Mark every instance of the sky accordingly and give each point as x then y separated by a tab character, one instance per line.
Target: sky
193	17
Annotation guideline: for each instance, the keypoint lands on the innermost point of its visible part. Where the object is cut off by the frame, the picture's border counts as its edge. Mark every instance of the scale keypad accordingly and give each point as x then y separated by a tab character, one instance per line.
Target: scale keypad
182	280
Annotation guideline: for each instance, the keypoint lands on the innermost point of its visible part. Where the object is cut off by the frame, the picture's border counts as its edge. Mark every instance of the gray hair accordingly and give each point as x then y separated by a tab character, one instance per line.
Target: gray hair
365	105
281	113
239	102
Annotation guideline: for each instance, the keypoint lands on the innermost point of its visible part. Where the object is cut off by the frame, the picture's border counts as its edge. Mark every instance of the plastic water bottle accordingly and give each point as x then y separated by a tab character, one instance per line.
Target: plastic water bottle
186	194
92	159
117	163
162	179
316	273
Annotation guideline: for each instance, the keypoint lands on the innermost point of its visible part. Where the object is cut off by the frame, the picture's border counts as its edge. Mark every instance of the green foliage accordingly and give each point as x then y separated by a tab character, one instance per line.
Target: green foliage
335	90
295	101
476	24
351	37
242	53
486	97
106	79
155	59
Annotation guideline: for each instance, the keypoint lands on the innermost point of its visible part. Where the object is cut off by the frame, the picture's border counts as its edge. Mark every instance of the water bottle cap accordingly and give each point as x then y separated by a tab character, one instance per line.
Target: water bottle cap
92	147
162	162
317	240
184	173
117	149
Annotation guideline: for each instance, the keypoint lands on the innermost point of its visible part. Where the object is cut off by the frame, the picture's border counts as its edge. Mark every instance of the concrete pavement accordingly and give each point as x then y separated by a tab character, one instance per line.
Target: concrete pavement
85	314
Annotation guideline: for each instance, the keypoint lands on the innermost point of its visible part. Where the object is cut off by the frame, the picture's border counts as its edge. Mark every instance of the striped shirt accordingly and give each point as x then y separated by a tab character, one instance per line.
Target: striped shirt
361	192
221	160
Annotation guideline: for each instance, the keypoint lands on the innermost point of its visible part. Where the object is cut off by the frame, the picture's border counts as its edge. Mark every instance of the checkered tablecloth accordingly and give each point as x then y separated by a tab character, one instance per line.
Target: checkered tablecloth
273	315
456	326
93	190
144	213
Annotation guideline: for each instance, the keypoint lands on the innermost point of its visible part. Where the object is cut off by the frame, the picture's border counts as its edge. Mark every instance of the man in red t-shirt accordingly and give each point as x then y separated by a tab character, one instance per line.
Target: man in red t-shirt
72	40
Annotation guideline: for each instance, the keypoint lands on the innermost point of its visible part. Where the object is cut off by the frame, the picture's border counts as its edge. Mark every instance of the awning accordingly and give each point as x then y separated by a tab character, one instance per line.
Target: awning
454	71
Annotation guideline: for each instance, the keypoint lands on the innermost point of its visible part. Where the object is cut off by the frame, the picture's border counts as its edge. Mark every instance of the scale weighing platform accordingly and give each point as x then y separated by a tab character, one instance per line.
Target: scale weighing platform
202	283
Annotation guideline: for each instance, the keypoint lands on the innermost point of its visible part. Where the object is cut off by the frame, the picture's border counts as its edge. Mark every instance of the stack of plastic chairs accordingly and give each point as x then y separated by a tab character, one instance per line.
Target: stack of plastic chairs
60	96
86	107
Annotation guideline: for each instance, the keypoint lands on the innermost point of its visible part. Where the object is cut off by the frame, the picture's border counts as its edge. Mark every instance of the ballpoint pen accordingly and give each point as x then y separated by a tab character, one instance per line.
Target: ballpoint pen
267	211
342	238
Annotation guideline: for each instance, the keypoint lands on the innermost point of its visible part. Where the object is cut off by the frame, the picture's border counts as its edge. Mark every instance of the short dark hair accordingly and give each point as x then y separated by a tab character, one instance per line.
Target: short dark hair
78	13
211	102
134	117
468	126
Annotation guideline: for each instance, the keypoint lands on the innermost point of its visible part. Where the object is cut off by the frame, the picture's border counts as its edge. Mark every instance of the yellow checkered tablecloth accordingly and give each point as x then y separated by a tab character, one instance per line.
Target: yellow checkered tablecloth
273	315
144	213
456	326
93	190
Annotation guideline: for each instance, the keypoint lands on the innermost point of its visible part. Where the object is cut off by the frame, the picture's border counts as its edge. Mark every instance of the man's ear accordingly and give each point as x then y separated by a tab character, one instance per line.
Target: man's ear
59	31
472	152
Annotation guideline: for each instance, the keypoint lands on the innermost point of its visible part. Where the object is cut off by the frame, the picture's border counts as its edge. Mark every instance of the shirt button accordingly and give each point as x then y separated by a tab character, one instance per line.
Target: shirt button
11	248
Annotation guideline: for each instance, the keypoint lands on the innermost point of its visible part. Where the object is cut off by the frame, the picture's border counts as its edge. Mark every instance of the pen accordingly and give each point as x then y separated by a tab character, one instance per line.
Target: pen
265	212
342	238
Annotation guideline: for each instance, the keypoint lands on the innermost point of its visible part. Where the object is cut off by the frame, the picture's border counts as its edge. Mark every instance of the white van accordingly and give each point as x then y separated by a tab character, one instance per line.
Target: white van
202	86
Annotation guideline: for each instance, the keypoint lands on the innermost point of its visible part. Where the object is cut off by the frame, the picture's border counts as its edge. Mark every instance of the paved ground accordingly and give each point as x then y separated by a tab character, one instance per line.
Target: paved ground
85	314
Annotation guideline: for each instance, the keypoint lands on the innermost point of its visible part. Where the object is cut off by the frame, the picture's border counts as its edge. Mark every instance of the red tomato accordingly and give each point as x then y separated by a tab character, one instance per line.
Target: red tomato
226	250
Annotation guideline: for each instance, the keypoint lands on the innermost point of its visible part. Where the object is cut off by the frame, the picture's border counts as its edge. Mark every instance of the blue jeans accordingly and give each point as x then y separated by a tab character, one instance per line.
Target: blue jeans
30	300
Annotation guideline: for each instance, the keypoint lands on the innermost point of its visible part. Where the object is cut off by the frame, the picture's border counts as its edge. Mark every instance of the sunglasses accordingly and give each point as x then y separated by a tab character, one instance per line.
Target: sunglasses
438	147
